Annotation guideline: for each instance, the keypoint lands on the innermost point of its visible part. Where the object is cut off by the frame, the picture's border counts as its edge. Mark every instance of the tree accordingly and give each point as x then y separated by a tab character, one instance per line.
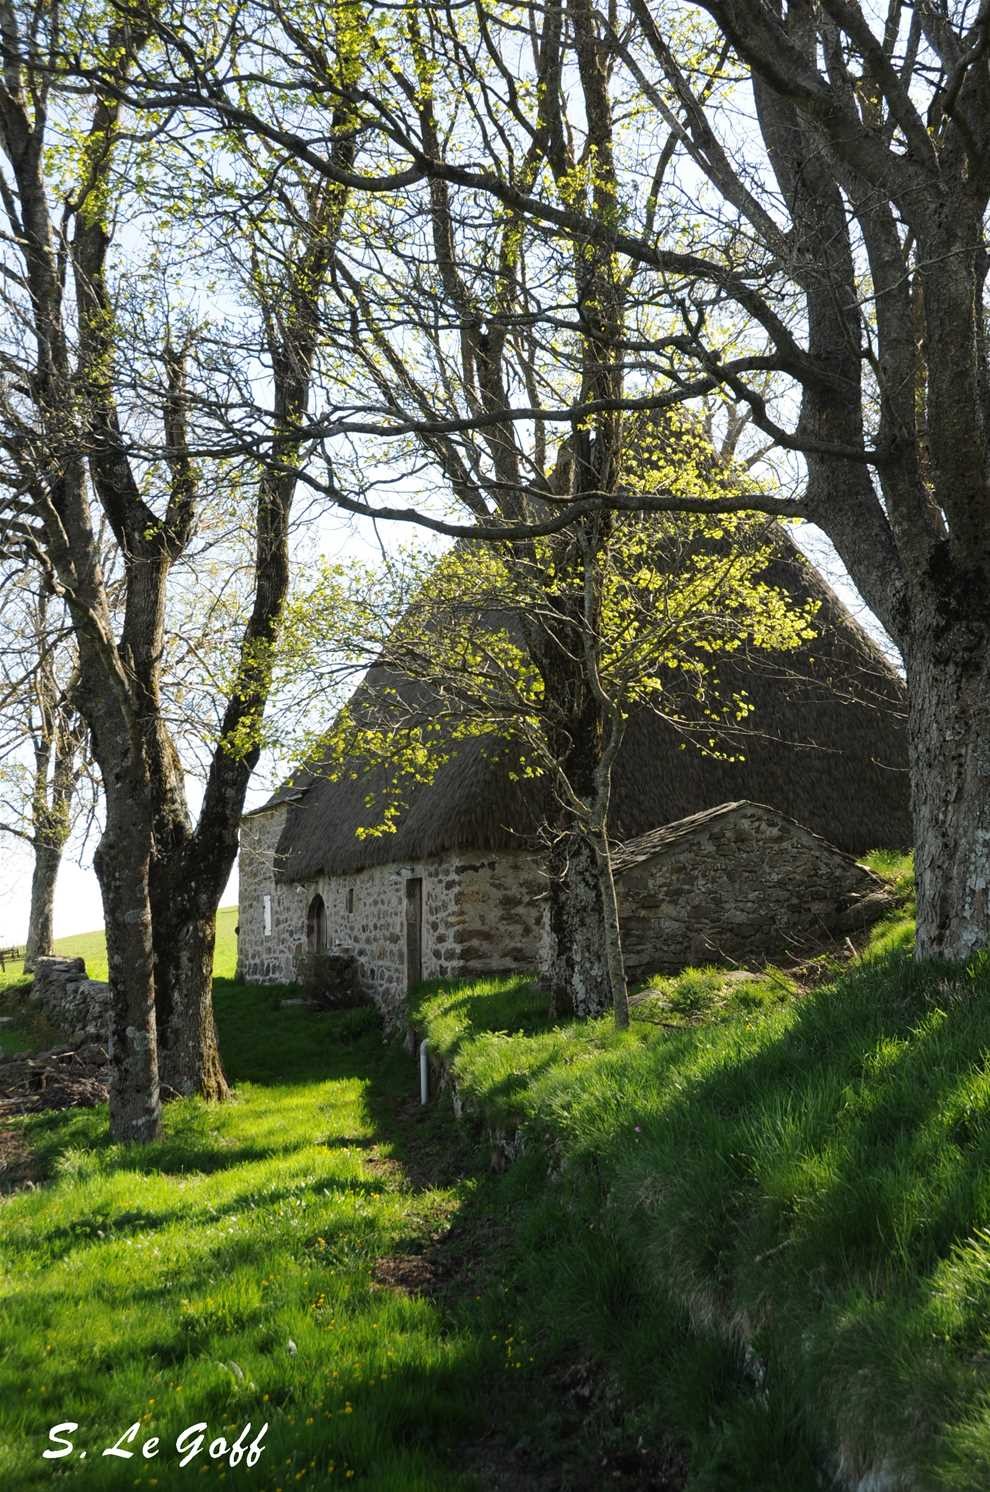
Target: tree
441	310
43	757
875	145
97	421
823	223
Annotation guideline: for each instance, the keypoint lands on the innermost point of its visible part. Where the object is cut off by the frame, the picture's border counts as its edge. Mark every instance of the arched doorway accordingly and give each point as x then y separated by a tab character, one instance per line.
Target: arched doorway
316	925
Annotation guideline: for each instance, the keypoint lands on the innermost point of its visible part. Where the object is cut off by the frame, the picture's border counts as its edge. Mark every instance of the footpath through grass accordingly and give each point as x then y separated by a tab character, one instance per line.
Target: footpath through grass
769	1219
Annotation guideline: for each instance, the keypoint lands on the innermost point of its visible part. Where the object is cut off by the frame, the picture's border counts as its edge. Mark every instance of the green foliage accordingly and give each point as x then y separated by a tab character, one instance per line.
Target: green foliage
709	993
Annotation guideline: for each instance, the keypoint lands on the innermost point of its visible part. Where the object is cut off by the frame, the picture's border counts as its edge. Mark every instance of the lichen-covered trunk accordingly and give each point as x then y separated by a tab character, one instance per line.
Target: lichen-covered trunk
614	960
577	967
583	967
184	935
41	918
122	866
949	684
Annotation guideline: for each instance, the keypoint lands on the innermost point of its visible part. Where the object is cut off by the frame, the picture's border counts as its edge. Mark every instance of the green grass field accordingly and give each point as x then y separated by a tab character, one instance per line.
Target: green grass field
92	947
229	1273
320	1254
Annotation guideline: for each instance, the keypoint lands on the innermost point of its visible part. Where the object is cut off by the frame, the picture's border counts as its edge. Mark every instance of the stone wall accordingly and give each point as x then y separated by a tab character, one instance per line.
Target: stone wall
742	886
481	914
264	949
74	1003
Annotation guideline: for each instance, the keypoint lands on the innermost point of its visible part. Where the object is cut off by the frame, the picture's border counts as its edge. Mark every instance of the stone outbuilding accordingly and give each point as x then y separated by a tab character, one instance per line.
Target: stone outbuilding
458	890
737	883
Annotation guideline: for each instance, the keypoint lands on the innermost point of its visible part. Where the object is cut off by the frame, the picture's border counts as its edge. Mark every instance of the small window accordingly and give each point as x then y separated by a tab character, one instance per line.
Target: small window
268	916
350	900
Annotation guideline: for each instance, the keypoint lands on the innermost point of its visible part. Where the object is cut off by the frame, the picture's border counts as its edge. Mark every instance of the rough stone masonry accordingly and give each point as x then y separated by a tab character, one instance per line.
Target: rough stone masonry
71	1000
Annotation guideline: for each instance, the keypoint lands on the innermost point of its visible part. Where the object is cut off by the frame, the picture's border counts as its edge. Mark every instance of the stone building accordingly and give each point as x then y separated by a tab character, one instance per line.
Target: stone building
736	883
457	889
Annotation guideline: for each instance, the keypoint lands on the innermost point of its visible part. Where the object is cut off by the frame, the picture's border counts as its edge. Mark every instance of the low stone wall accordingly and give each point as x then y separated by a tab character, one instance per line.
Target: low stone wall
73	1002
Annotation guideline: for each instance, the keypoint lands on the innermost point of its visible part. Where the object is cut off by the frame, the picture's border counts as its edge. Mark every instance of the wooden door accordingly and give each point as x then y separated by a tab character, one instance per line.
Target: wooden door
414	932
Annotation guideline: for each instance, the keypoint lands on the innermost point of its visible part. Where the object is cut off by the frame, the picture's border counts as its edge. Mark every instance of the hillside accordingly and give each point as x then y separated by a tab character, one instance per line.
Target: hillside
92	947
742	1245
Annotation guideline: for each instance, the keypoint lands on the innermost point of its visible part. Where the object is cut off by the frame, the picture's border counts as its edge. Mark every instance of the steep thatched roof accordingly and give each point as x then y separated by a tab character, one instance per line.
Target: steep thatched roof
825	745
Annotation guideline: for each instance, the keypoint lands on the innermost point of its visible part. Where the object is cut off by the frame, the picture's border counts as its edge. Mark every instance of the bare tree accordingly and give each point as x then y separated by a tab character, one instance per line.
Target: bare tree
43	744
821	221
97	429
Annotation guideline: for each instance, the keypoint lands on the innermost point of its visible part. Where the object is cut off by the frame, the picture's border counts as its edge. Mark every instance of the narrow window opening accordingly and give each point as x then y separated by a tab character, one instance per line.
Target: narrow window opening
350	900
316	925
268	916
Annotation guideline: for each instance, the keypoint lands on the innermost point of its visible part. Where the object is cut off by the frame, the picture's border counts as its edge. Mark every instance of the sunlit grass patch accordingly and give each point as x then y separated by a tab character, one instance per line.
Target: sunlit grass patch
710	993
226	1274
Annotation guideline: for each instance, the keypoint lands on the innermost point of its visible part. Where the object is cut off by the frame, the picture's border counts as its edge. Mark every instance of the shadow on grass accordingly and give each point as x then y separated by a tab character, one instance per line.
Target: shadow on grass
825	1180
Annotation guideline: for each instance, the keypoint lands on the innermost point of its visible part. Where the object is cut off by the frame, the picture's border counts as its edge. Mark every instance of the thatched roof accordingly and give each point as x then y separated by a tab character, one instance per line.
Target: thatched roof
827	747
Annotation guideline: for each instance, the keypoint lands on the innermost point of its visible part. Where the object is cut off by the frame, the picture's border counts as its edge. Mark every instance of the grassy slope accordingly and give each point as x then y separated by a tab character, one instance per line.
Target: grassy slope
795	1186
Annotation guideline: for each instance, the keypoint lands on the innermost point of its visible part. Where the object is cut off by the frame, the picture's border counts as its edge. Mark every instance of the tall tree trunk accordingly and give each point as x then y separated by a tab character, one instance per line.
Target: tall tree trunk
949	686
576	965
184	934
584	971
614	961
40	938
122	867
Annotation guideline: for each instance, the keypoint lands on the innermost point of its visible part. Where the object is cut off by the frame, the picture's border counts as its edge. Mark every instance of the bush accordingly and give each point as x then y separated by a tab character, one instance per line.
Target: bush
330	980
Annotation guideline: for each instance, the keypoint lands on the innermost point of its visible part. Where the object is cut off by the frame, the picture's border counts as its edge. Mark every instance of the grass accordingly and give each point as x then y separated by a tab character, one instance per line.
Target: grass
92	947
227	1274
754	1229
770	1224
320	1254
